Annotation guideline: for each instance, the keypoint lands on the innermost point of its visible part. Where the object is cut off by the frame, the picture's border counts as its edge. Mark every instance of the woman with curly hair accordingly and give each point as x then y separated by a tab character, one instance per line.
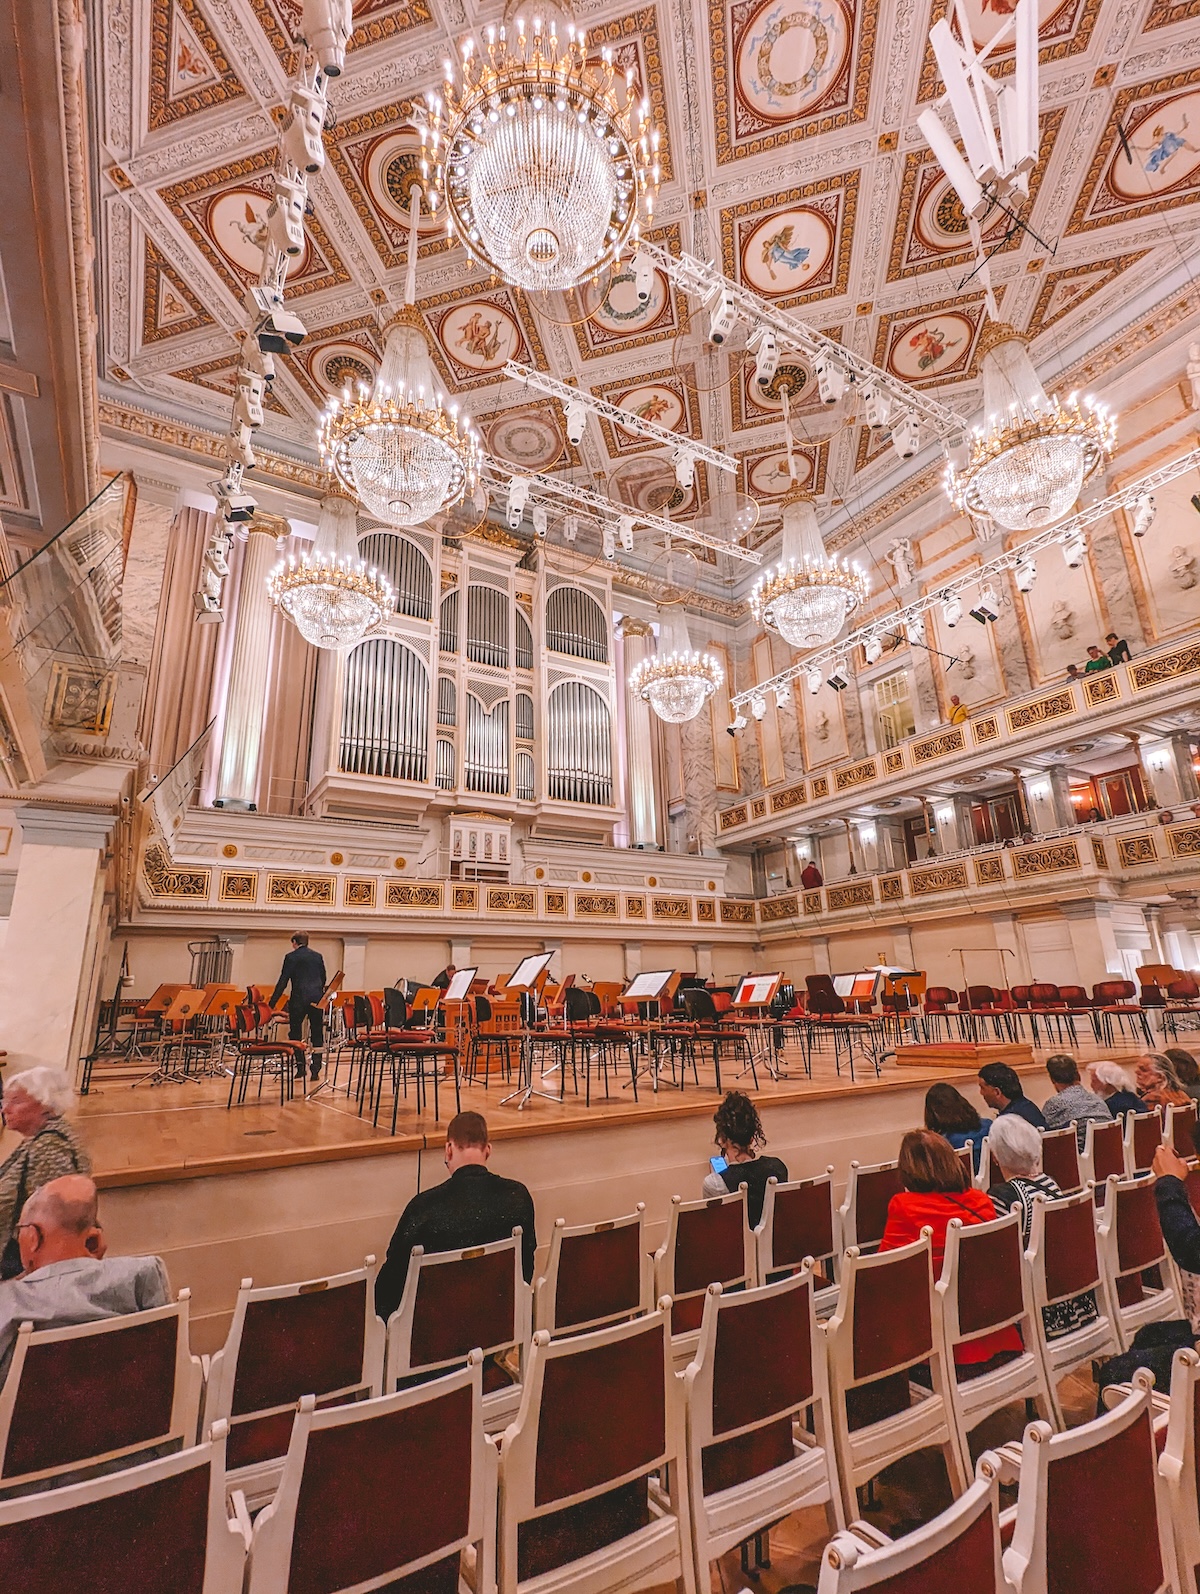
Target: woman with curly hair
739	1131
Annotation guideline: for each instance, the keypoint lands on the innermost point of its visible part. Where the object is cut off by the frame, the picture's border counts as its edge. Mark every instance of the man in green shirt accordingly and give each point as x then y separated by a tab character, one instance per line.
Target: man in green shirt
1097	661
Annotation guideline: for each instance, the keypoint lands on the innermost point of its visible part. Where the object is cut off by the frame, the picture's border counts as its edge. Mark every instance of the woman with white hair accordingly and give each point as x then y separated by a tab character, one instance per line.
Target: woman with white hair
1115	1087
35	1104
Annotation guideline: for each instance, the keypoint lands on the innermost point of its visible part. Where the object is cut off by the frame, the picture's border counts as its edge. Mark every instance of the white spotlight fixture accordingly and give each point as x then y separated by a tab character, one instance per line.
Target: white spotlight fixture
685	467
518	497
766	360
877	404
1144	511
952	612
576	419
643	276
873	649
625	532
839	679
814	681
737	724
906	436
723	318
538	515
987	607
1074	550
914	629
831	378
758	706
781	695
608	541
1025	574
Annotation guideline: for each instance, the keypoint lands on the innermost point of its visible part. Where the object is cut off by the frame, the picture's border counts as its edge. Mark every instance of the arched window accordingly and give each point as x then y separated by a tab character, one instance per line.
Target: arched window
524	777
487	626
485	759
447	707
523	649
524	717
579	741
448	623
446	765
576	624
406	567
385	712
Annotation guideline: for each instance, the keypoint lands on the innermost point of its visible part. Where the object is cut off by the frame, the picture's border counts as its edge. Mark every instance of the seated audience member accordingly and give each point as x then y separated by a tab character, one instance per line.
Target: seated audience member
1118	649
68	1279
1096	661
472	1207
936	1190
1001	1090
1180	1229
35	1106
1187	1070
1157	1082
739	1131
1072	1102
1114	1085
950	1114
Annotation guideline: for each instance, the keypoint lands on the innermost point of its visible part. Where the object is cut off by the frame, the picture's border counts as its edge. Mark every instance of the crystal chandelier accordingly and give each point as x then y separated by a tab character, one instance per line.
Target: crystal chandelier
808	596
677	682
331	597
1033	454
545	169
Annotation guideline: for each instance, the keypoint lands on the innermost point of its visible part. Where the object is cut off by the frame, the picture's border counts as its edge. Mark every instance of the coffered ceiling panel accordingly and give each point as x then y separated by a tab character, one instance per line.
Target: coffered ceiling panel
1148	157
189	70
664	398
1064	29
169	307
374	20
793	247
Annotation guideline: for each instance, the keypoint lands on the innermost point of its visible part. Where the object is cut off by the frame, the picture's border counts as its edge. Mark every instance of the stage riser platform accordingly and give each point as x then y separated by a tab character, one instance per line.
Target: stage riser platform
280	1224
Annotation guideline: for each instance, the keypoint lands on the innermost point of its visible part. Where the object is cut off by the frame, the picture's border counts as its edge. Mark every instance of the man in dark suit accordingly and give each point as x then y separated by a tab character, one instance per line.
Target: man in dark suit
472	1207
304	970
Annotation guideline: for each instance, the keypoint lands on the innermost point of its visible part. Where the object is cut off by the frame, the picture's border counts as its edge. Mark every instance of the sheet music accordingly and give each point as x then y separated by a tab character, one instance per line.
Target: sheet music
527	971
457	990
756	990
648	987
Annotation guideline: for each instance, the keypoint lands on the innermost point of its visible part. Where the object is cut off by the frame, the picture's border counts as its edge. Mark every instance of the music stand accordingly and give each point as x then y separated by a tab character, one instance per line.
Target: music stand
524	976
757	990
460	985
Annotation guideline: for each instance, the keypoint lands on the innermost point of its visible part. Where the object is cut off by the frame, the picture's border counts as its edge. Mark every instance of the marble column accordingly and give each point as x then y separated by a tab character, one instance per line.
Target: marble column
1060	798
638	644
633	958
240	733
704	960
52	954
1185	767
354	962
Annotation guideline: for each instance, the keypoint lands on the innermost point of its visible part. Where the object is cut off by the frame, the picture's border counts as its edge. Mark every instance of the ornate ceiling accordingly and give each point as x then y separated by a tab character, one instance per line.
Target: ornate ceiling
791	156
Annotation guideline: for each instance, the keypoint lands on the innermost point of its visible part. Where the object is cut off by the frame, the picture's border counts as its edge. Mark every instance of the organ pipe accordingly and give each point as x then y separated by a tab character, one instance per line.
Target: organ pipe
485	760
576	624
406	567
579	742
487	626
385	712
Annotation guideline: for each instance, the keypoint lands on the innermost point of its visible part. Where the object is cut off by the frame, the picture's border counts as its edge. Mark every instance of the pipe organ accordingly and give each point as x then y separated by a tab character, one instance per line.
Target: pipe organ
579	757
405	566
385	712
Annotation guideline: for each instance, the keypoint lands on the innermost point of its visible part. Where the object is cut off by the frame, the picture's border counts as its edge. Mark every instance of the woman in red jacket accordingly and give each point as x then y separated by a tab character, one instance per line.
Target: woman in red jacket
936	1190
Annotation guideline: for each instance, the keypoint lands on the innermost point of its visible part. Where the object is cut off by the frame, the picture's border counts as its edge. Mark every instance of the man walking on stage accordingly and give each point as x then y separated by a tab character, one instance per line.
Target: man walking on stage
304	970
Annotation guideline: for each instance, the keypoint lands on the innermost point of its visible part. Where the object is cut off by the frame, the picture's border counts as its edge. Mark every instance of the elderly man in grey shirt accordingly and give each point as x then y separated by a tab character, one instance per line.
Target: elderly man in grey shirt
67	1277
1072	1102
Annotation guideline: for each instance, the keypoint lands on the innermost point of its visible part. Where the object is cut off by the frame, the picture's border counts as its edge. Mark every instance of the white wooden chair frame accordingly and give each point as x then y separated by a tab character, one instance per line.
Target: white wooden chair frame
545	1290
661	1551
185	1404
825	1299
1082	1345
864	1452
848	1211
1131	1119
271	1544
724	1519
1155	1305
1177	1464
1186	1115
1087	1157
684	1344
1046	1134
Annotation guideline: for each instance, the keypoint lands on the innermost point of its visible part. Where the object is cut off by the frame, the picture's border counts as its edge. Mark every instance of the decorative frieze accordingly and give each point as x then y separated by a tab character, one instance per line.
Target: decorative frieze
1101	686
737	913
1051	707
464	899
758	808
812	902
985	729
511	899
789	797
939	745
857	894
776	908
891	888
820	787
1054	857
1098	853
1135	850
414	894
941	877
706	911
238	887
165	881
672	907
855	774
893	761
1185	841
595	905
635	907
1145	673
989	871
358	893
730	818
306	890
554	902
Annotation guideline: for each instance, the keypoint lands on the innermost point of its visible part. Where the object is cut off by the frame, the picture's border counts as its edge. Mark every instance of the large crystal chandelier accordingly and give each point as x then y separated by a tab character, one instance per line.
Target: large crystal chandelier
1032	455
545	167
676	682
330	596
403	452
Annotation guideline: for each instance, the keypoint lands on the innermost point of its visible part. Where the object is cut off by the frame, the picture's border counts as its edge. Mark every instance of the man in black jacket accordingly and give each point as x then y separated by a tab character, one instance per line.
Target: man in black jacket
304	970
472	1207
1179	1226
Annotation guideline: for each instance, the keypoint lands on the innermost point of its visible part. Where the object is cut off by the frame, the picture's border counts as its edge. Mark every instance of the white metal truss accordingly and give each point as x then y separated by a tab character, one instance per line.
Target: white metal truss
620	417
1065	532
705	282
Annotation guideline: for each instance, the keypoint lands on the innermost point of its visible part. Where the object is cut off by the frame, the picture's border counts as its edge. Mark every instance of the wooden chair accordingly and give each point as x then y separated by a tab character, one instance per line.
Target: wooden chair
318	1338
981	1177
1091	1514
593	1476
1103	1153
596	1274
759	1440
398	1487
1132	1245
1115	1001
799	1223
1179	1130
958	1551
256	1051
708	1028
1143	1136
864	1209
984	1287
707	1242
455	1302
889	1320
1178	1461
165	1526
1065	1267
1060	1158
81	1397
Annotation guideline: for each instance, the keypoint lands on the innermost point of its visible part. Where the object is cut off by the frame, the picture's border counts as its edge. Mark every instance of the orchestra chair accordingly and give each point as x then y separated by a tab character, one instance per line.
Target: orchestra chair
1060	1158
1113	1000
888	1321
589	1034
1178	1459
827	1011
405	1047
319	1338
985	1286
1143	1136
455	1302
1182	1005
1103	1154
485	1044
759	1439
83	1397
395	1488
593	1471
1132	1245
254	1050
178	1032
799	1226
707	1242
901	1005
145	1023
1046	1001
864	1209
980	1005
957	1553
596	1274
1064	1263
1092	1509
939	1007
166	1526
706	1028
423	1008
1179	1130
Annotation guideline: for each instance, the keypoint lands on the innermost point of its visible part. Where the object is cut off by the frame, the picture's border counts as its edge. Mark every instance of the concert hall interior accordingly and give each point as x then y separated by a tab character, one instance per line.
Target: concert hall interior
558	562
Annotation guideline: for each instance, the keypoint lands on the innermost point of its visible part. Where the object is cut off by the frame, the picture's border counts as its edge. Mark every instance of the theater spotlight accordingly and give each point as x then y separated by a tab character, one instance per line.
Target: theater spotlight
737	724
839	680
952	612
758	706
986	610
814	681
1025	575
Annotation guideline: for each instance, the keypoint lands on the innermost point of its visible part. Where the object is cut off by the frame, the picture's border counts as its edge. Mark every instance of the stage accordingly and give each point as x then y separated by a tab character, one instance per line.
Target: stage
278	1193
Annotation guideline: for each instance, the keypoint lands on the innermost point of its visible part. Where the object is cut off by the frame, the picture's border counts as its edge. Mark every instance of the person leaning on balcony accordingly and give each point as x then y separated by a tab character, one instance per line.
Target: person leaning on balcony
1096	660
959	712
1118	649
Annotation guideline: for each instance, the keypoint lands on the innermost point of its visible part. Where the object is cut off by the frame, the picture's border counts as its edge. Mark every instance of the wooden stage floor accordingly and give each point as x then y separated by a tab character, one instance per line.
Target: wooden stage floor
144	1134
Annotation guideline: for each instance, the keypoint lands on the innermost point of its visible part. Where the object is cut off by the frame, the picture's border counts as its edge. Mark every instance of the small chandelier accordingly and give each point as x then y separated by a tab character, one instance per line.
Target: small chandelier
808	596
331	597
1030	459
677	682
545	170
